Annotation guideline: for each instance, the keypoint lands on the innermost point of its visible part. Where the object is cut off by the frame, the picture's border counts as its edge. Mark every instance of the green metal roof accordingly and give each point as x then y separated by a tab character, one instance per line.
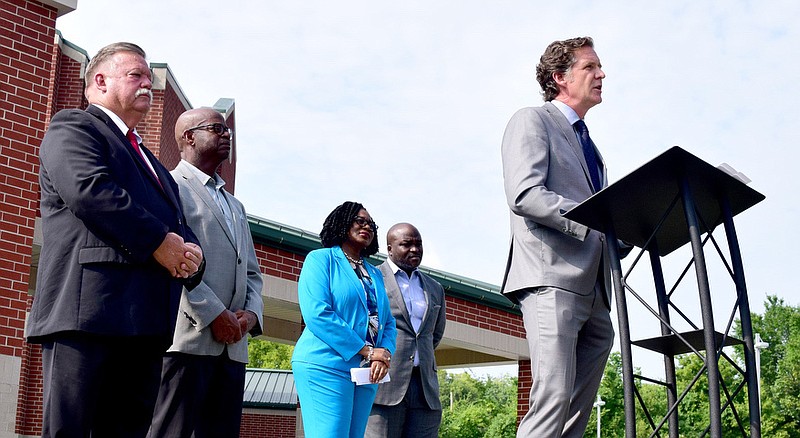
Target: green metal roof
302	242
272	389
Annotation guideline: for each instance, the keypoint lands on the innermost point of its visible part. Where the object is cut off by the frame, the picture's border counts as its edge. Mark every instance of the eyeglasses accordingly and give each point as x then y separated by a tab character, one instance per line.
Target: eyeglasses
361	221
216	128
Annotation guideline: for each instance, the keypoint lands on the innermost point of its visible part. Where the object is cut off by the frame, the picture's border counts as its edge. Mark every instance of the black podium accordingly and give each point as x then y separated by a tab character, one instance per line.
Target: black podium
672	200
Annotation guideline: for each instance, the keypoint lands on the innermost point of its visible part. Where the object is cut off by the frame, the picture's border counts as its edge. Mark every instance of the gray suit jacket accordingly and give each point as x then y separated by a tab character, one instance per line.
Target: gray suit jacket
232	279
430	333
545	175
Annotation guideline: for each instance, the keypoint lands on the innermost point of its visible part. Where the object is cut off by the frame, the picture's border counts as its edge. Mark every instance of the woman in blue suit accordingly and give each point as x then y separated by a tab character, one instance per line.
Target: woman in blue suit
349	324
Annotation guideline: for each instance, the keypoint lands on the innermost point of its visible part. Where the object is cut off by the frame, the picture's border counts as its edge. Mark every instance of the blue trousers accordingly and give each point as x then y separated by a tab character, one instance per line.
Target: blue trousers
332	406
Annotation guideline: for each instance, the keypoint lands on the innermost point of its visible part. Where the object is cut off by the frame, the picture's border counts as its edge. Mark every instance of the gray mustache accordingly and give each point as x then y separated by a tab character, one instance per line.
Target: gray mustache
146	91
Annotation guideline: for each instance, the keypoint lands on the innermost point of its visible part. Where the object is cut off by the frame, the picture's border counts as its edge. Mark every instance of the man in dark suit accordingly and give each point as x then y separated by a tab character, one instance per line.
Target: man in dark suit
115	253
408	405
203	372
556	270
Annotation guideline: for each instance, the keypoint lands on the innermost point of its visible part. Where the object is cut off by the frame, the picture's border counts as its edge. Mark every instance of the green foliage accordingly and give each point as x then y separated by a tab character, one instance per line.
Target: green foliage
487	407
265	354
780	368
477	407
693	411
780	378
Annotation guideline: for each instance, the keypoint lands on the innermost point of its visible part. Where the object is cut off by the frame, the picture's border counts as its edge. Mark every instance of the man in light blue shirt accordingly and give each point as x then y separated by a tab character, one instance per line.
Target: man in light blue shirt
408	405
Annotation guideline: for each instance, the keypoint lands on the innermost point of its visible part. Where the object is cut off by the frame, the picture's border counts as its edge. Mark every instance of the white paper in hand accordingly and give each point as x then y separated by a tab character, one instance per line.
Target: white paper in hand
360	376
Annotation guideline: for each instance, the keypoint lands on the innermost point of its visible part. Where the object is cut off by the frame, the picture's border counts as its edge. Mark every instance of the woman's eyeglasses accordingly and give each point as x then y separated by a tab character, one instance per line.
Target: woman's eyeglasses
361	221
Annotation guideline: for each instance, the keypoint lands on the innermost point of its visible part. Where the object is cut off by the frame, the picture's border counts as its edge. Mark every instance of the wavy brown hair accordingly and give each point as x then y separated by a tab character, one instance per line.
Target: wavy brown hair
558	57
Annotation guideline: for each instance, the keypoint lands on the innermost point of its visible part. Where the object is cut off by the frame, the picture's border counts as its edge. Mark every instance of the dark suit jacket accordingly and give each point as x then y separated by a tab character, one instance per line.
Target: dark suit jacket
546	175
103	216
430	333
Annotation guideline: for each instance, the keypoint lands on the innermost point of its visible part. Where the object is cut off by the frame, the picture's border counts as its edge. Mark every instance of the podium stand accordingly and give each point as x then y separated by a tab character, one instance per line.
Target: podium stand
672	200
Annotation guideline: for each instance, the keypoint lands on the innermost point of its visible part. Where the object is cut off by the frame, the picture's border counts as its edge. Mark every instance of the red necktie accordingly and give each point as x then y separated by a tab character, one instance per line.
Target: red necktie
135	144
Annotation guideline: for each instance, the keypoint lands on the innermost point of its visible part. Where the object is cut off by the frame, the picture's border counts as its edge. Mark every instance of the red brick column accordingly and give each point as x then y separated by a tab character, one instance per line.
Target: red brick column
268	426
27	33
524	380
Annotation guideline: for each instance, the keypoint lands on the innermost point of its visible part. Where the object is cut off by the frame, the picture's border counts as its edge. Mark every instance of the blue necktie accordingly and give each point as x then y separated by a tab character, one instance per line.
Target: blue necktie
588	154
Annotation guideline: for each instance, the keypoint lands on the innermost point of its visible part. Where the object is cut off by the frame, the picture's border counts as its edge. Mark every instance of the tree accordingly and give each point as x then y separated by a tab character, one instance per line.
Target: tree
477	407
780	367
265	354
612	413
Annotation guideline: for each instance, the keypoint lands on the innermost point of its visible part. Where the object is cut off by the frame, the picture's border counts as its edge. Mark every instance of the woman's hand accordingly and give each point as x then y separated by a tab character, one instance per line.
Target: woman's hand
378	370
382	355
380	362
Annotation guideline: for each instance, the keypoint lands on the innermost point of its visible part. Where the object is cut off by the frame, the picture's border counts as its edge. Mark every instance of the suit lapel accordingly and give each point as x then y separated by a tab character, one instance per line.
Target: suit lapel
163	187
425	291
394	293
344	266
202	192
569	135
239	223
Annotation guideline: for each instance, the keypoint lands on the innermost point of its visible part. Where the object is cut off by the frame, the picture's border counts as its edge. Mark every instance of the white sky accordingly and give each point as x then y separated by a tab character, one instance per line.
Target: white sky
402	106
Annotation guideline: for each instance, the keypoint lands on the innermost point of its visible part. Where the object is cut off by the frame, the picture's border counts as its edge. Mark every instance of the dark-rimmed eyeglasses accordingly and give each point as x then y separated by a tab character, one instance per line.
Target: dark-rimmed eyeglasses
361	221
216	128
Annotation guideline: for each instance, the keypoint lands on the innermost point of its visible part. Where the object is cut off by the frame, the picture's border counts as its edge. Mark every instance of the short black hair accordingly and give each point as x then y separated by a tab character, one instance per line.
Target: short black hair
338	223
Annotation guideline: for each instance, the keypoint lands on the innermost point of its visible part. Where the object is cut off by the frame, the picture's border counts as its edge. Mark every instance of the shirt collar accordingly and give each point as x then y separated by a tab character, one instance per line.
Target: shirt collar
565	109
118	121
395	269
216	180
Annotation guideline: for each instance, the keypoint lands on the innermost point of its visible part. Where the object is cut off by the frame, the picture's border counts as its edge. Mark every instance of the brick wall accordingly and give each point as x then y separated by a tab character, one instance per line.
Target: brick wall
268	426
27	32
524	380
31	386
279	263
481	316
67	83
150	127
169	154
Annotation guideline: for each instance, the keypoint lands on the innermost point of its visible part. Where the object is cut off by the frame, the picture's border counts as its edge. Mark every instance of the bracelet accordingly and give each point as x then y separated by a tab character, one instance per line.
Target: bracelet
369	353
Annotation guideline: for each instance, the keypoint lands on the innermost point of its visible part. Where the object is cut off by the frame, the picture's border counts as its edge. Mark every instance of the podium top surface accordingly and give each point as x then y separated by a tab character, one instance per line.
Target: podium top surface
636	204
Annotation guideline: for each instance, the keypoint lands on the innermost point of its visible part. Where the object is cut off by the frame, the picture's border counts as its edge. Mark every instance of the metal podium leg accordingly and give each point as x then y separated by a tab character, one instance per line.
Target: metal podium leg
624	333
669	360
712	365
747	326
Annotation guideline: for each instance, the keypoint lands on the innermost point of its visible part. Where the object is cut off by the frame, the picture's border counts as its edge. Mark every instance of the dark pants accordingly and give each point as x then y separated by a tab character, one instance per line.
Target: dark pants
200	396
100	386
411	418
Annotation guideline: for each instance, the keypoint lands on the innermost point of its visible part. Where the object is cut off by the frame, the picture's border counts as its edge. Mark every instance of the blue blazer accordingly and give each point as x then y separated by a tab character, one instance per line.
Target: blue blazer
334	308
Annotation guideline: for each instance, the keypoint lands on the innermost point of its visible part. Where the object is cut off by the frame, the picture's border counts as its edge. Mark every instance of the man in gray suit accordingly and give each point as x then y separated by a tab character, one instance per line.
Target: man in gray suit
408	405
203	371
556	268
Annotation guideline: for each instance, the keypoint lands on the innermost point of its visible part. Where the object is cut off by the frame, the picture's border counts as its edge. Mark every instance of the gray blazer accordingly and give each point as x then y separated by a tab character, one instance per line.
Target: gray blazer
430	333
545	175
232	279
